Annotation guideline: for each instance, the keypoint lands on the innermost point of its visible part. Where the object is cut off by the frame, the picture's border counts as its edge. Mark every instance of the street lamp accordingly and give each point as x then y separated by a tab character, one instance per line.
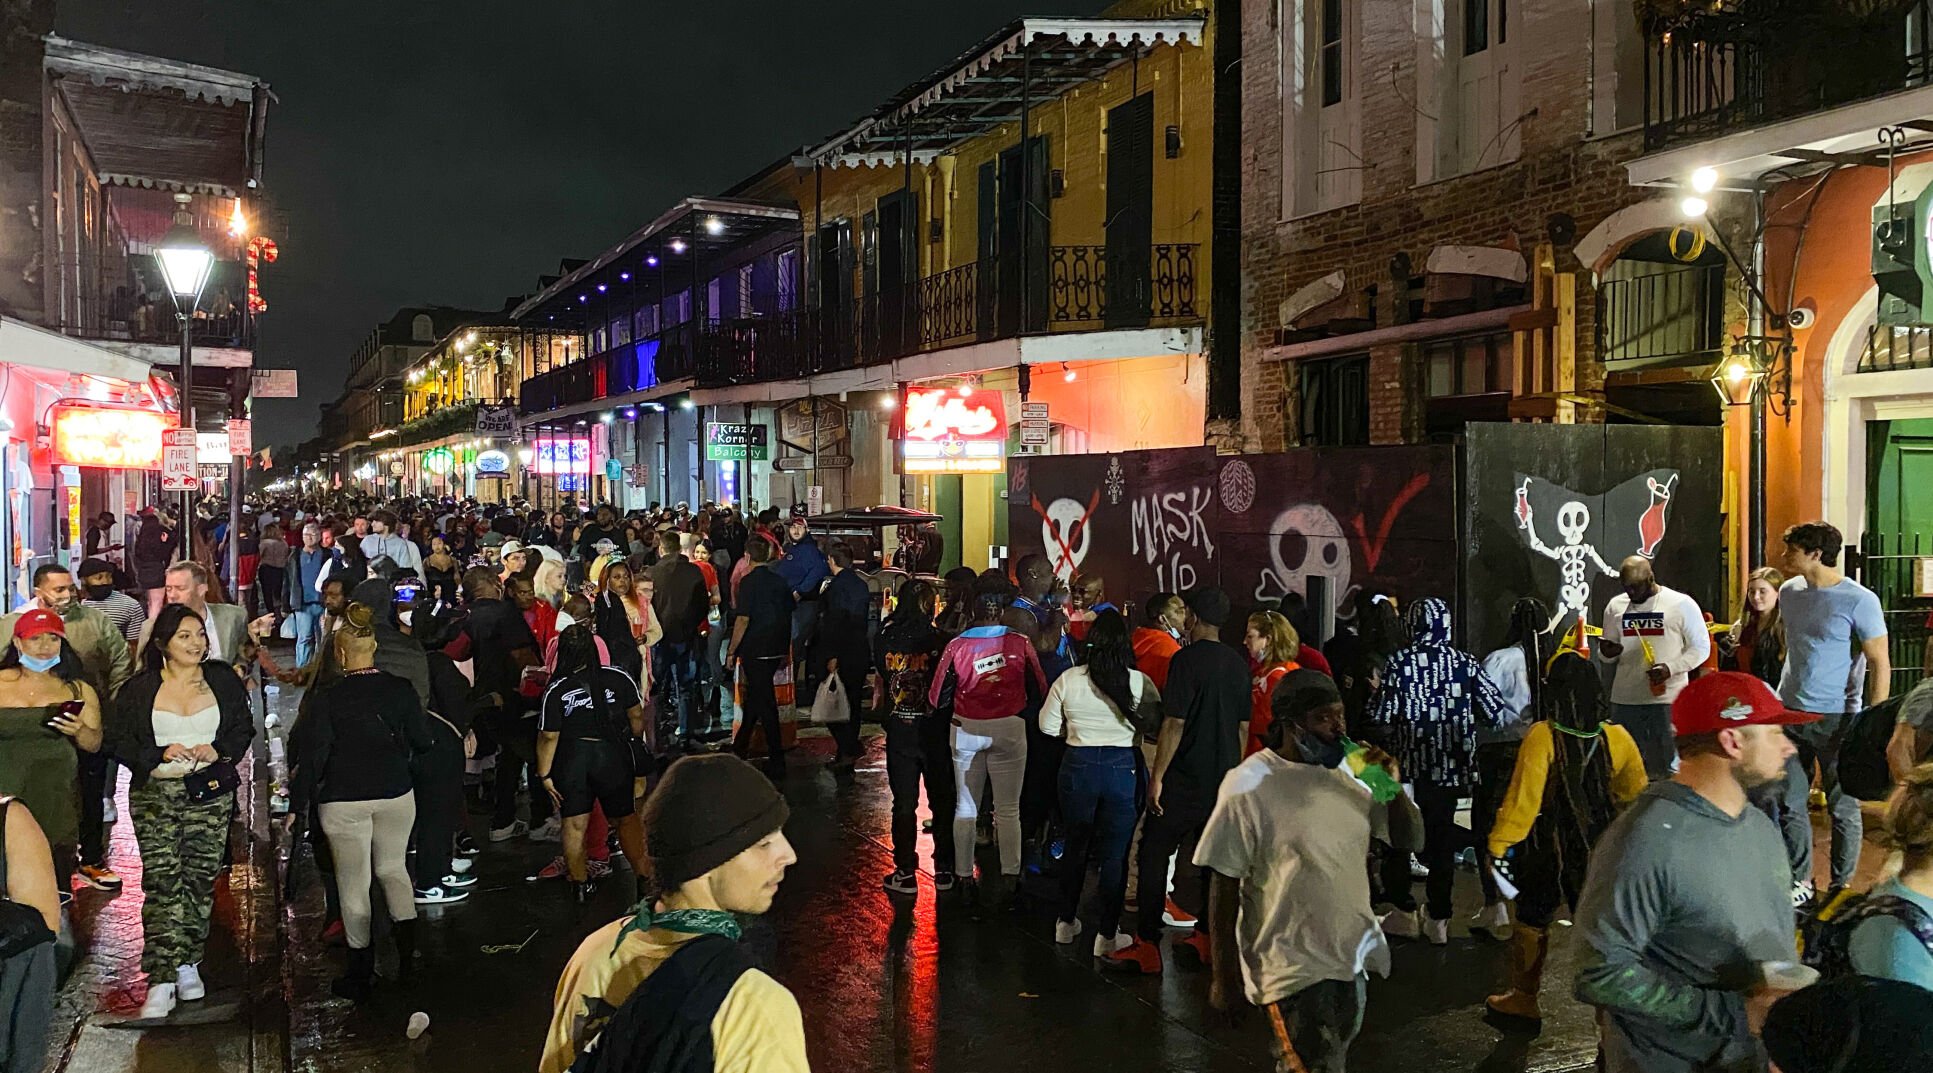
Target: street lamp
185	262
1739	376
1743	377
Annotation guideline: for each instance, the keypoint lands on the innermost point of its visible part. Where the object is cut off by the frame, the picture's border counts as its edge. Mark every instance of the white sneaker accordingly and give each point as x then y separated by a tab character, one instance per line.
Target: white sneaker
188	985
1418	870
160	1003
1802	894
1105	945
551	830
440	896
109	814
1436	931
461	865
1402	924
1494	917
1066	930
505	834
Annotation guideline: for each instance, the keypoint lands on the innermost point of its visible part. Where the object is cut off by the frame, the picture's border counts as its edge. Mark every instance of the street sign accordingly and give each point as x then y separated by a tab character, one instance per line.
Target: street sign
815	500
239	433
272	384
736	443
178	448
613	470
396	469
1033	424
211	448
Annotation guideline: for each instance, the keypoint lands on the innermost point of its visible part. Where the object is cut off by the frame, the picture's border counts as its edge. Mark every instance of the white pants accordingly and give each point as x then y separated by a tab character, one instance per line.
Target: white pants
982	749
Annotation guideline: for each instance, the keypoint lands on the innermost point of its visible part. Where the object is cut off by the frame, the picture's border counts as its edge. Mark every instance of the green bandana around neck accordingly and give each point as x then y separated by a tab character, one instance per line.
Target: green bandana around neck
689	921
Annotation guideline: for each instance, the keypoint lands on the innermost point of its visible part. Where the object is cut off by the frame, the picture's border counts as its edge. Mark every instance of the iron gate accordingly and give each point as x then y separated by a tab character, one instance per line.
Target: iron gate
1889	564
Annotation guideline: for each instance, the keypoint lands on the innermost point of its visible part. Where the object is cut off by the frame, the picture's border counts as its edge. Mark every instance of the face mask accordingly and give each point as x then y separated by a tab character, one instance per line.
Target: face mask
1314	750
404	616
99	592
34	663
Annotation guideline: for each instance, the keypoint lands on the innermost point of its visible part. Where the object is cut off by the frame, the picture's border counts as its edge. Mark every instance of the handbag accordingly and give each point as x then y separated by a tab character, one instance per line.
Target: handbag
205	784
830	705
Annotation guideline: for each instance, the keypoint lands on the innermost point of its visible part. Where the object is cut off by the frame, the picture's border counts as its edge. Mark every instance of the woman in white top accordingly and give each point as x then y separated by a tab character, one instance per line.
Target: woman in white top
179	715
1099	707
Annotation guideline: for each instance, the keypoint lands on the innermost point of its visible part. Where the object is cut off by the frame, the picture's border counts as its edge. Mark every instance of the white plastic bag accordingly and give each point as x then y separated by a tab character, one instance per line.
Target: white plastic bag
830	705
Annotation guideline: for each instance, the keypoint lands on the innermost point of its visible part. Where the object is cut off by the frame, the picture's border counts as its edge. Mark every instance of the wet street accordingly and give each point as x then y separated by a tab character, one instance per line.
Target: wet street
886	984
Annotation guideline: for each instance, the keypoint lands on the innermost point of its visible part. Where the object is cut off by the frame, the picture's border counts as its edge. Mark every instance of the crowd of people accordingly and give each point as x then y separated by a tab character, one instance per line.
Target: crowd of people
1647	784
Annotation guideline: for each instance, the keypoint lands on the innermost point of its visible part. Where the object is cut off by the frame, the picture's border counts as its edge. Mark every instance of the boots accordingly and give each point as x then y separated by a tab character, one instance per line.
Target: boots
404	932
354	983
1528	946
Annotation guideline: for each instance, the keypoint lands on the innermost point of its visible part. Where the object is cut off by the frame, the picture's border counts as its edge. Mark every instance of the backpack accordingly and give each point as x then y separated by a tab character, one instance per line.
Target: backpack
665	1026
1863	771
1825	937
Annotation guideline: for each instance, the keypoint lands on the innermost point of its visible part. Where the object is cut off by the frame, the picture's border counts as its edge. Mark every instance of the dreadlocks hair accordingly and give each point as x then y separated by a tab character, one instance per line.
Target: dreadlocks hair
1577	799
1529	621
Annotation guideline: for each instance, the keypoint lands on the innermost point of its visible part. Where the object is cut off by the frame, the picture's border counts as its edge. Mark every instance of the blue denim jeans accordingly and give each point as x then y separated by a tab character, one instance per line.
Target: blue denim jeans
674	680
1099	802
308	621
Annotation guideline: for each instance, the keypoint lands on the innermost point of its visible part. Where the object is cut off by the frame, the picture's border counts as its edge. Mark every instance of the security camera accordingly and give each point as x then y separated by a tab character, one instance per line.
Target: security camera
1801	318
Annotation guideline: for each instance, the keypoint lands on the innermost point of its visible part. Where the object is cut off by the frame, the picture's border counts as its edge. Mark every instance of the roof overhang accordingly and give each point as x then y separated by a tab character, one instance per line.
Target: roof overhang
692	222
160	123
1848	134
1031	61
25	345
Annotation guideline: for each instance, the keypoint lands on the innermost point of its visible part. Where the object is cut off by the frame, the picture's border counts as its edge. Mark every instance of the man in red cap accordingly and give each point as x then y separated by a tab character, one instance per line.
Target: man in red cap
1687	901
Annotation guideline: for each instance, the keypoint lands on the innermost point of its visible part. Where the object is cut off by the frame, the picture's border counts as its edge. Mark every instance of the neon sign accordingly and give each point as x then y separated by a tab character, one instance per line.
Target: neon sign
563	456
109	437
947	433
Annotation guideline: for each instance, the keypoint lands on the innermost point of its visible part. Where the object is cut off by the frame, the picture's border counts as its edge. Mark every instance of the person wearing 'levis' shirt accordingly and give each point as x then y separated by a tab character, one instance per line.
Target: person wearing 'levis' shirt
986	677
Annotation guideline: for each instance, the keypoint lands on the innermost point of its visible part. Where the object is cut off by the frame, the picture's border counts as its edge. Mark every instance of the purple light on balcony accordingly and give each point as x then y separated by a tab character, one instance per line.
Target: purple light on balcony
583	297
624	276
601	288
652	260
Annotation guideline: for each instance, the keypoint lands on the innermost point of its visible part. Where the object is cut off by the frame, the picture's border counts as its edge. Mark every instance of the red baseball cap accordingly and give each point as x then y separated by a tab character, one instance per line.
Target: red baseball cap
39	621
1730	699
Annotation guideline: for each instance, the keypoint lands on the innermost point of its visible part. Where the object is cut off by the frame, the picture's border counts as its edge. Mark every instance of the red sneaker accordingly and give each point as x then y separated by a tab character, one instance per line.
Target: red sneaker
1176	917
1198	942
1141	957
333	935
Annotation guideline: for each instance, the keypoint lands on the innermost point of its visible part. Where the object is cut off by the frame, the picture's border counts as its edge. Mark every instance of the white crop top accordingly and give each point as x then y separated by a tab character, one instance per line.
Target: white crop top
172	729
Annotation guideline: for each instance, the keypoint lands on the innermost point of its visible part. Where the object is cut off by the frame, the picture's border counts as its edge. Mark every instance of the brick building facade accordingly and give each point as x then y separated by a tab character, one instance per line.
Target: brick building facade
1547	167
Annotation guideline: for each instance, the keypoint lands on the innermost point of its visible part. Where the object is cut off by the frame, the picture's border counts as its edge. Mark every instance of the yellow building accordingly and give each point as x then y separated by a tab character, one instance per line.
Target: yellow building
1035	220
437	443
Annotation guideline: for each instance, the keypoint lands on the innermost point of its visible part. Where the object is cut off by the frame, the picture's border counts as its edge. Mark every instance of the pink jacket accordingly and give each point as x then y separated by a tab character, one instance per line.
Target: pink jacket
991	673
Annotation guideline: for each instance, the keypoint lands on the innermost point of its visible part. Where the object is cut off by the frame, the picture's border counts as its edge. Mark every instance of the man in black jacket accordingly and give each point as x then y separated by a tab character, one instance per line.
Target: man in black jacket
680	600
841	647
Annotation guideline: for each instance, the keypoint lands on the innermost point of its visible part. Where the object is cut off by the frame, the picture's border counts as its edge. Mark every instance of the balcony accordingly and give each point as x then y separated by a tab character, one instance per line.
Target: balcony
1715	66
122	298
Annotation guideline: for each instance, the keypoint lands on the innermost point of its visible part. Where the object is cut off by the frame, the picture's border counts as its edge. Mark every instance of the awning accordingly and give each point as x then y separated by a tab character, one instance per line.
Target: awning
160	123
37	348
697	227
1027	63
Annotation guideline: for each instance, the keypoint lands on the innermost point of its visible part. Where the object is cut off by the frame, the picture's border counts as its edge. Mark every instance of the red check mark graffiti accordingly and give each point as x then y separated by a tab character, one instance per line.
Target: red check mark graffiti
1068	539
1372	551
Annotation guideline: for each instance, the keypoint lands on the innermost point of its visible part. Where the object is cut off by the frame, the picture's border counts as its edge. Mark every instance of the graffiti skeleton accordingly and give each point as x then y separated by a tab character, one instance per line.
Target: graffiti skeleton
1064	527
1574	556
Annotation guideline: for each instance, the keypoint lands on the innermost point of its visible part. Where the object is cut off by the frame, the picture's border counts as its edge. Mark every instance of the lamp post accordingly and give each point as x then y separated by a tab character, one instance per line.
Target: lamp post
1739	378
185	262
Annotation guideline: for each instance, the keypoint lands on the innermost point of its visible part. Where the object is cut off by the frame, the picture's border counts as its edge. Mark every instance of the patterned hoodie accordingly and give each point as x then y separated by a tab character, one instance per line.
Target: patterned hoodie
1432	699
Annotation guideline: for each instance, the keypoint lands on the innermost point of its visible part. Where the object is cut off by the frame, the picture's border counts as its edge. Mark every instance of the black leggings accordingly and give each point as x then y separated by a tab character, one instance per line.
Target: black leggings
1441	840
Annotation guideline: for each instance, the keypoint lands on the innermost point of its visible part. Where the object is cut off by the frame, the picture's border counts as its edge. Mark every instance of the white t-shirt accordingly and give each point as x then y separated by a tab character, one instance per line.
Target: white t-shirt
1296	836
1671	622
1075	700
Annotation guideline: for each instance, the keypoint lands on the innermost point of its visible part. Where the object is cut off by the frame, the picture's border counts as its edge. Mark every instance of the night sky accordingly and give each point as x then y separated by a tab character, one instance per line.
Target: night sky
435	152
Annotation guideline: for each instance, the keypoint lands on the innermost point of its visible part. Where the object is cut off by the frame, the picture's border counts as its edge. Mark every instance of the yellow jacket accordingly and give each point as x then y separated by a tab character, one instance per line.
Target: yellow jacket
1525	798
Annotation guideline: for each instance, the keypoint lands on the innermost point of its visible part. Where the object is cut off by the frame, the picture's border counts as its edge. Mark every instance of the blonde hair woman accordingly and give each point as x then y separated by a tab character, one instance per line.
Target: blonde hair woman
1756	642
1886	943
1273	647
549	582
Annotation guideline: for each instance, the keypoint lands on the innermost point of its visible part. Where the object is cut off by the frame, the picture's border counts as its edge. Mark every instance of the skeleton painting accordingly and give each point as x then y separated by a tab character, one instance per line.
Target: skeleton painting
1306	541
1587	534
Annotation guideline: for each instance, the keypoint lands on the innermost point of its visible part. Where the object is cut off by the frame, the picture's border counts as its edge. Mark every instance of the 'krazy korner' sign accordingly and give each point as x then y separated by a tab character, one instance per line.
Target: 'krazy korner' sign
945	431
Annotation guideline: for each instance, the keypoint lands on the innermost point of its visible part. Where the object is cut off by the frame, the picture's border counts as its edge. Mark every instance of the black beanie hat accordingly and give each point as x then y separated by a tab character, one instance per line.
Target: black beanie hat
1854	1024
707	810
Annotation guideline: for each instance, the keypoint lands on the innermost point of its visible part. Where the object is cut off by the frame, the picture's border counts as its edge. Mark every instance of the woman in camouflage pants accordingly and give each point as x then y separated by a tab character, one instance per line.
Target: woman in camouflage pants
176	717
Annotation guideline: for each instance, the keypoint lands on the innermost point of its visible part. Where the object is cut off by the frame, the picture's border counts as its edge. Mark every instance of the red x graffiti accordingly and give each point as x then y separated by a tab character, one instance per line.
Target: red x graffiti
1068	539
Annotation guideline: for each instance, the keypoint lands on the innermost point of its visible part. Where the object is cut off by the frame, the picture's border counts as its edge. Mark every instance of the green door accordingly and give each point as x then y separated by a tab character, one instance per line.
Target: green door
1899	531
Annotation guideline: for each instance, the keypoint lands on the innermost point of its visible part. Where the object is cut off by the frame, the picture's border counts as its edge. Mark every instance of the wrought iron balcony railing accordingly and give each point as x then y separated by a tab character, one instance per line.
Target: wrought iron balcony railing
1717	65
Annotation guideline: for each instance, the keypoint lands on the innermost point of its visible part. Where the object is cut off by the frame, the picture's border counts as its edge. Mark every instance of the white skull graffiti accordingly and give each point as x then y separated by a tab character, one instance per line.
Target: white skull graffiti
1064	533
1306	541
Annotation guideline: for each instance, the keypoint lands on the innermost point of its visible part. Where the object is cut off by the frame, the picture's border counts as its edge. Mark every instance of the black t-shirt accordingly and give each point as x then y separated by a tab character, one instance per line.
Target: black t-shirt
1208	690
496	630
765	602
570	710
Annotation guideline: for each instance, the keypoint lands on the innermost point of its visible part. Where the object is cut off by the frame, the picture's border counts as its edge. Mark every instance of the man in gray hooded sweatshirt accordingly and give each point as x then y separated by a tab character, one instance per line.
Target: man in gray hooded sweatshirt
1688	895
